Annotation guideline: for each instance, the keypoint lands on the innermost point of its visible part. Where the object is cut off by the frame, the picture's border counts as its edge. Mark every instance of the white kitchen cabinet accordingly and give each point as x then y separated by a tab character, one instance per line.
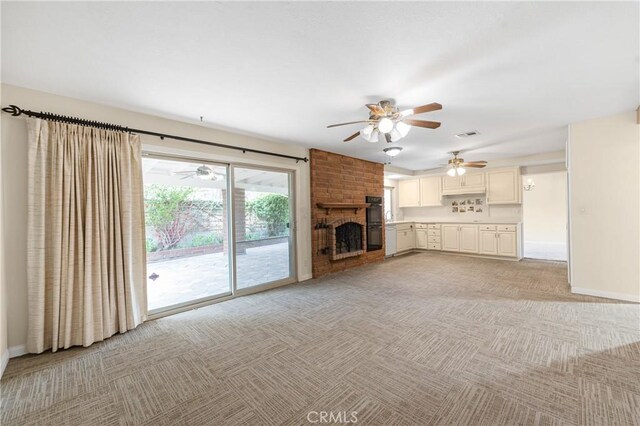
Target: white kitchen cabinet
431	191
409	193
470	183
406	239
421	238
450	240
504	186
460	238
451	183
507	244
500	240
468	238
488	242
473	180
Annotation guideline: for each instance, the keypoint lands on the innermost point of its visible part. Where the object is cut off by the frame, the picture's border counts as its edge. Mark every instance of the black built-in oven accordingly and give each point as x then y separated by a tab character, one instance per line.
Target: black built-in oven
375	215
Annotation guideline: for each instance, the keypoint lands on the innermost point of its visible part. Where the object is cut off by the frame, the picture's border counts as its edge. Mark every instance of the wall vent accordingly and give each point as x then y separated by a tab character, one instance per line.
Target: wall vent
467	134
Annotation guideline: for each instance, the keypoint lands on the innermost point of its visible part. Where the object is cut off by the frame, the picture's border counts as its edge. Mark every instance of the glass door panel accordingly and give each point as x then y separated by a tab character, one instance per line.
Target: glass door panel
262	217
186	211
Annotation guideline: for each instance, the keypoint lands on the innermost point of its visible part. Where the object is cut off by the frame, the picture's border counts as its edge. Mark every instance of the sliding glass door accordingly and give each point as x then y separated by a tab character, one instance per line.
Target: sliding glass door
186	210
210	235
262	217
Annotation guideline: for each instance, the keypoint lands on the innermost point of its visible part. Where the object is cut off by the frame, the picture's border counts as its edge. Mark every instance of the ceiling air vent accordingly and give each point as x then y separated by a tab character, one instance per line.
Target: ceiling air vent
467	134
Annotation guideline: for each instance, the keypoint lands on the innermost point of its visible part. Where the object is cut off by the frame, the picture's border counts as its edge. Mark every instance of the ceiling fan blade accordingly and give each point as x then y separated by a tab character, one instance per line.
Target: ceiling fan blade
350	122
421	109
376	109
475	164
188	176
353	136
184	172
427	108
422	123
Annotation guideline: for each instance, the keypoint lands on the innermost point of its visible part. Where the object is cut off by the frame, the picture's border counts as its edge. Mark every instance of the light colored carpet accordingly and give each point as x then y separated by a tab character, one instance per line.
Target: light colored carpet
420	339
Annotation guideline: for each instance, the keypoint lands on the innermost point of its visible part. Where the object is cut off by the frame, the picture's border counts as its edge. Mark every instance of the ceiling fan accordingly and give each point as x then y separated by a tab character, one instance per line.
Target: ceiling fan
386	119
457	165
203	172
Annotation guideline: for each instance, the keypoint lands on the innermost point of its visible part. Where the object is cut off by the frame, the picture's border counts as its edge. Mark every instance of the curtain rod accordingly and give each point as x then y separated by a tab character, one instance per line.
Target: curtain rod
16	111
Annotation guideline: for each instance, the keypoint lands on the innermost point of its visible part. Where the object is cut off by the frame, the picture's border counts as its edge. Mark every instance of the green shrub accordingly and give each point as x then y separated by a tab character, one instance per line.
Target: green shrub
151	245
273	210
206	240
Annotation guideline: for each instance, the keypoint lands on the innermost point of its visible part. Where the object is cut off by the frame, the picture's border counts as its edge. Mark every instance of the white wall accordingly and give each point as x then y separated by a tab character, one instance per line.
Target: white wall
4	349
14	176
544	214
604	189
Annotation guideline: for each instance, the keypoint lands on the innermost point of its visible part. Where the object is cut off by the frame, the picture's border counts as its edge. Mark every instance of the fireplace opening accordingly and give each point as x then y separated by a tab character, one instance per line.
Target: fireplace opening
348	238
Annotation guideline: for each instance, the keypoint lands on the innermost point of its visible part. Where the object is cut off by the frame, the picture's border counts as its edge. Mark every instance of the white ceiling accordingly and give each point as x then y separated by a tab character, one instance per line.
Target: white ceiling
516	72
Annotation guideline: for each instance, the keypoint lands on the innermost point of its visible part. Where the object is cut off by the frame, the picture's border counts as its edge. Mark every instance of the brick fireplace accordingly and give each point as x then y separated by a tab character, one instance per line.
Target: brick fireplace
337	178
347	238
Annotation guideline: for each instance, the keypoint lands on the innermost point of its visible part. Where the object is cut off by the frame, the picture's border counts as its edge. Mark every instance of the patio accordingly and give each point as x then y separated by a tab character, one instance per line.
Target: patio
195	277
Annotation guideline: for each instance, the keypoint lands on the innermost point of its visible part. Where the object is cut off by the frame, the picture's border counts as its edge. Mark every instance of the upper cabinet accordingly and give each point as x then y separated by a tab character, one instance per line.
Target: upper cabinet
431	191
504	186
423	192
470	183
409	193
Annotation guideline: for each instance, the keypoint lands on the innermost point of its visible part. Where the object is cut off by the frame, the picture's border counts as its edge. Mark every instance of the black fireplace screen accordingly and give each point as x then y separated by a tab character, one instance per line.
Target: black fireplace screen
348	237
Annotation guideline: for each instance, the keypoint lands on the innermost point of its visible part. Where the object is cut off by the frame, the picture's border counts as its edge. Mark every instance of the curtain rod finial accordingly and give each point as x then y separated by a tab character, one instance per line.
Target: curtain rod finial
13	110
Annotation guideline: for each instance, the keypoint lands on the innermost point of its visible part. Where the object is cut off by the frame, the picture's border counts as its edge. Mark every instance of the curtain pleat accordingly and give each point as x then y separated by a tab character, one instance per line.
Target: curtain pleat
86	252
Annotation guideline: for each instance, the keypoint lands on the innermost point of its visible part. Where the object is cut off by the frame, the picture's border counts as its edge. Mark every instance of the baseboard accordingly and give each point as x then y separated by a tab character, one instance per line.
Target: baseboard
606	294
4	360
305	277
18	350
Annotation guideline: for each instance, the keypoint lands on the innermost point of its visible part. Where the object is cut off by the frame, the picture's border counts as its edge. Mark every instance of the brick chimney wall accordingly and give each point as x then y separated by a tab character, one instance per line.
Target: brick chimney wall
340	179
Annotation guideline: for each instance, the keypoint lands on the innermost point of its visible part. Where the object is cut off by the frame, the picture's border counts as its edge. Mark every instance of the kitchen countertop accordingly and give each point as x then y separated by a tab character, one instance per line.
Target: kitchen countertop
478	221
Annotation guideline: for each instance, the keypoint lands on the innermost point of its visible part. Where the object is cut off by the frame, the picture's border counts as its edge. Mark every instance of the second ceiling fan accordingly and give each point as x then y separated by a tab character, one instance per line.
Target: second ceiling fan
385	118
457	166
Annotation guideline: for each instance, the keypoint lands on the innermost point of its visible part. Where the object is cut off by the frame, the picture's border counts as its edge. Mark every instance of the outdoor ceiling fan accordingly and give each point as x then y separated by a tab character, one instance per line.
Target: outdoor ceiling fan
386	119
203	172
457	165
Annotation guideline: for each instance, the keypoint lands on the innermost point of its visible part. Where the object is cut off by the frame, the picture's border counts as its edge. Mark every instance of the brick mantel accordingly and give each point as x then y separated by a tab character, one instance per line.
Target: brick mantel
340	180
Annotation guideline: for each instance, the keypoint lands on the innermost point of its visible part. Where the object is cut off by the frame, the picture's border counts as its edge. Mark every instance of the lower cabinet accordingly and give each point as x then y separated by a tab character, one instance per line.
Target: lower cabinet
483	239
488	242
461	238
421	238
469	238
450	240
499	240
406	238
507	244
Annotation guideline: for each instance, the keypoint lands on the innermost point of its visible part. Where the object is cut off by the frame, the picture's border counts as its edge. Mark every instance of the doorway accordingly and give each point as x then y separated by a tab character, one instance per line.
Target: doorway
263	208
186	211
214	230
545	215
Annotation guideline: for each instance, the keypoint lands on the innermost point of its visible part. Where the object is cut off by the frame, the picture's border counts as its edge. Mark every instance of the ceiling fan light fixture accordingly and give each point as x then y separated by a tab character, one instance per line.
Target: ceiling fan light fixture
392	151
456	171
370	133
395	135
403	128
385	125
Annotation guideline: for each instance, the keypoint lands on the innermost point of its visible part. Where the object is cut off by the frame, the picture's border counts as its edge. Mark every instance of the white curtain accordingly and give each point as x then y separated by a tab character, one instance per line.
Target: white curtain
86	251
